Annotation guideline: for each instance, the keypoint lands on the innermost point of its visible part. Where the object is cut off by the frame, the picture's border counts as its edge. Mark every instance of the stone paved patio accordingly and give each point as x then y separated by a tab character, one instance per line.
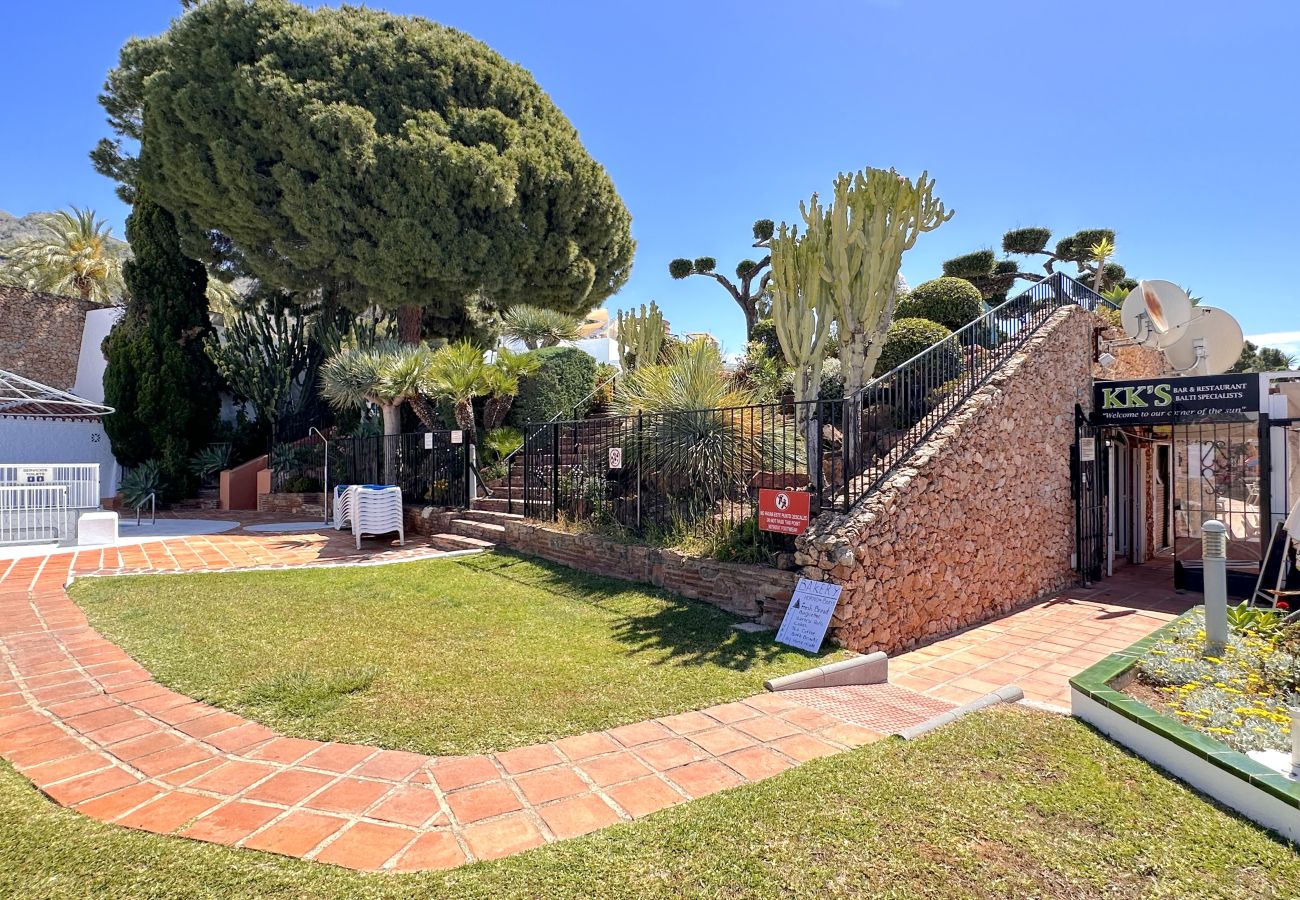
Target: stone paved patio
90	727
1040	647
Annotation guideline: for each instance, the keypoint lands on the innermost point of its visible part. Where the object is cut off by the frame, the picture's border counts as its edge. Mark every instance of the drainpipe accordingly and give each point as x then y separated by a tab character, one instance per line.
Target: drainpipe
1214	555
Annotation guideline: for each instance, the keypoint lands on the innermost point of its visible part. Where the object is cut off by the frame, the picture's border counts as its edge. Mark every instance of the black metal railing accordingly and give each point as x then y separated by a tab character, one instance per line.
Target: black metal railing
704	468
427	466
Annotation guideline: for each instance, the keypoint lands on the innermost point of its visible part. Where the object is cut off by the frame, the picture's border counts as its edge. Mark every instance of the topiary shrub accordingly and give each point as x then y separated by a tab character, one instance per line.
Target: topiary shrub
564	378
952	302
908	337
1026	240
972	265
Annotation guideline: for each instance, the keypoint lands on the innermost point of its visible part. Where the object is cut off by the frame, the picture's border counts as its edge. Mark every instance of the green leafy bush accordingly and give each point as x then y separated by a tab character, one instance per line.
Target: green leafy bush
300	484
1026	240
140	482
970	265
500	443
952	302
564	379
908	337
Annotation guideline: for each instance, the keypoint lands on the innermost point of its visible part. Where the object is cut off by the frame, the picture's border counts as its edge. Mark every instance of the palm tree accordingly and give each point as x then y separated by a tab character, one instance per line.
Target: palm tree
458	372
536	327
71	255
503	384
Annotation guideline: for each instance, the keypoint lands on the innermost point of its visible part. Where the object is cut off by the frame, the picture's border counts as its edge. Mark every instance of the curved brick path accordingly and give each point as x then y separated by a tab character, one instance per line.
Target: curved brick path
89	726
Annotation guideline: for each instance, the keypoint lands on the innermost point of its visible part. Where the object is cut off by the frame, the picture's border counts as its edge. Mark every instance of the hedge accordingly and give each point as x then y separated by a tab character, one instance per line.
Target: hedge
565	378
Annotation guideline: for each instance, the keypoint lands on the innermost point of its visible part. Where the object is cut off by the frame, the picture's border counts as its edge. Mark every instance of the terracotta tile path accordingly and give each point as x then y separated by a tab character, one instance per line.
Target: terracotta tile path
89	726
1041	646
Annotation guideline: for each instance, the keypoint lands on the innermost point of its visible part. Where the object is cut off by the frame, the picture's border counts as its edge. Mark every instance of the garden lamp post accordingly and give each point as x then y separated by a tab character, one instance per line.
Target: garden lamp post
1214	554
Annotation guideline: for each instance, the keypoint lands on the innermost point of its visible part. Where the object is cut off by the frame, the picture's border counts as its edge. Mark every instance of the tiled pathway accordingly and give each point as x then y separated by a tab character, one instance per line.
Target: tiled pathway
90	727
1042	646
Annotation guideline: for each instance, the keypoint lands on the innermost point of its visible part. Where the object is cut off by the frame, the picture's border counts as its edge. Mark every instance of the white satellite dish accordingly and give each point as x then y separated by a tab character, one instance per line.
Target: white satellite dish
1209	345
1155	312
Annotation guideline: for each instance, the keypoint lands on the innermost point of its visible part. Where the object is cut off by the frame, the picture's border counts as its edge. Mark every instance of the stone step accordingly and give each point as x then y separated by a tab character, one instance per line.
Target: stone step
500	503
453	542
484	531
499	517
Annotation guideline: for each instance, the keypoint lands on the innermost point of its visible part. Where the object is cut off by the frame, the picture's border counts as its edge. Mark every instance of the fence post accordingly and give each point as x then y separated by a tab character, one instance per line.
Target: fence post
639	415
555	471
466	494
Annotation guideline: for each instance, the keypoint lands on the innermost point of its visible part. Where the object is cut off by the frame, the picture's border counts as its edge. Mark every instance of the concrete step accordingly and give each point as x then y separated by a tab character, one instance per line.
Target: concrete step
500	503
453	542
483	531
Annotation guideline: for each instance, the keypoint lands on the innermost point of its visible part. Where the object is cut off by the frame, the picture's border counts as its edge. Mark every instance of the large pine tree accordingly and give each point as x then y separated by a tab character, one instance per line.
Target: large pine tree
159	379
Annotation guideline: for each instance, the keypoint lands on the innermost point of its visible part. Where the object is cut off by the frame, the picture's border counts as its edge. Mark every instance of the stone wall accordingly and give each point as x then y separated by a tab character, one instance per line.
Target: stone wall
751	592
980	520
40	335
311	504
1130	361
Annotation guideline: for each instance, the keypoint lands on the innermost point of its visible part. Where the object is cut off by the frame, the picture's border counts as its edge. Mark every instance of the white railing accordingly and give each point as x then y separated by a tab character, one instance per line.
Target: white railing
80	479
34	513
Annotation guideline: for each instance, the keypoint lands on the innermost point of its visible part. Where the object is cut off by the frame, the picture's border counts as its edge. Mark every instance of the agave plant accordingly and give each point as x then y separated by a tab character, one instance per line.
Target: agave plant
210	460
139	483
698	435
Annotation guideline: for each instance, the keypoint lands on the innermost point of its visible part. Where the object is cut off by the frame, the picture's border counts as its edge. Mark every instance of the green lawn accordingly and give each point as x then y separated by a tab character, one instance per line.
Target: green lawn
451	656
1011	803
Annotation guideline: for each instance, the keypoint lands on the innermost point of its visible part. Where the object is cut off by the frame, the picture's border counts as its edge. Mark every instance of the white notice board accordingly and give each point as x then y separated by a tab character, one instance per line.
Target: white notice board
809	614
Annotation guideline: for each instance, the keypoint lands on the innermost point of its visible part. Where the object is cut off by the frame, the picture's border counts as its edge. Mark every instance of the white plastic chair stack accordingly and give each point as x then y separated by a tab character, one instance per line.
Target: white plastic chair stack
342	506
376	510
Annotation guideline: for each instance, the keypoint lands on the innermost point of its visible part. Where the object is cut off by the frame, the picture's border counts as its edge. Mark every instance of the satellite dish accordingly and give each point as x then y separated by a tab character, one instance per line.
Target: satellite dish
1155	312
1210	344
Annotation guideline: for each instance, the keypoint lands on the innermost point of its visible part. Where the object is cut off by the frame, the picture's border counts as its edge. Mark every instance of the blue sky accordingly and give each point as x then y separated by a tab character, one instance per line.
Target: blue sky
1175	124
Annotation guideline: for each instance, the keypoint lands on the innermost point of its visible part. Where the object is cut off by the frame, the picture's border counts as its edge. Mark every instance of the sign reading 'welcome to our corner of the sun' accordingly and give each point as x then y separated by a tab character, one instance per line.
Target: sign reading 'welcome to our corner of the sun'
809	614
1169	401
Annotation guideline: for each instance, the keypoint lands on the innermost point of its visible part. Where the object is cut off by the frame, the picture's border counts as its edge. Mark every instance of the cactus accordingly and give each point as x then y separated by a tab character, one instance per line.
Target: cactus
802	304
640	336
875	217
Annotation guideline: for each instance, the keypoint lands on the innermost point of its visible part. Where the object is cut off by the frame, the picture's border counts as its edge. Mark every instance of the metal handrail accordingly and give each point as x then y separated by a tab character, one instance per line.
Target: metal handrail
506	461
152	500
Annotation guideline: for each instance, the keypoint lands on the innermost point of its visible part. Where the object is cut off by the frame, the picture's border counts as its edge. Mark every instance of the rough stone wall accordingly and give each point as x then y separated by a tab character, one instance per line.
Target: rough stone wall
292	504
1130	361
40	335
981	518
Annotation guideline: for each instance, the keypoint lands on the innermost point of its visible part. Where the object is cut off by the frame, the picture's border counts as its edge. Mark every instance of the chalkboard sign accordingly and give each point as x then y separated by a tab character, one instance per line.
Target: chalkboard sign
809	614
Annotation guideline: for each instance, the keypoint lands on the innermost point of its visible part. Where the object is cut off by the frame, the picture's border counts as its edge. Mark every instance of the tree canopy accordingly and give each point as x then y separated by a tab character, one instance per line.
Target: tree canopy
388	160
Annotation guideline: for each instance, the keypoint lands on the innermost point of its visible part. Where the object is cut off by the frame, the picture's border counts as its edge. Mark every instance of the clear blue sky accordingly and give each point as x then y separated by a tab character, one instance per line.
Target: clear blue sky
1174	123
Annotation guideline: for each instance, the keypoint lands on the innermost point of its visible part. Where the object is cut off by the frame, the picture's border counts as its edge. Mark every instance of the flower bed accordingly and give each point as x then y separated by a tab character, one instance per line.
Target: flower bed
1239	696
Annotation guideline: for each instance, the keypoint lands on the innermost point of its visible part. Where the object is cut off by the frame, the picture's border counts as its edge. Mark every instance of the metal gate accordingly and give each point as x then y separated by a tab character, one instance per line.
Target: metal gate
1088	484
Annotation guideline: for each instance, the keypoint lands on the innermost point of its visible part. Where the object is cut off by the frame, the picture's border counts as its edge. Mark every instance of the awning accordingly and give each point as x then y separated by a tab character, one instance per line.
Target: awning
22	397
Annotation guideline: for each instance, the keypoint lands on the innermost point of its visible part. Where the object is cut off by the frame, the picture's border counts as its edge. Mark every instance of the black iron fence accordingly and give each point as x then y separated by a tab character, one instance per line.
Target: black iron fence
704	468
427	466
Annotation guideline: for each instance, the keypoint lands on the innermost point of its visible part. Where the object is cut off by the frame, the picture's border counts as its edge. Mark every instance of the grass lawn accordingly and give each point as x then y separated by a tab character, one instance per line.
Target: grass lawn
1010	803
453	656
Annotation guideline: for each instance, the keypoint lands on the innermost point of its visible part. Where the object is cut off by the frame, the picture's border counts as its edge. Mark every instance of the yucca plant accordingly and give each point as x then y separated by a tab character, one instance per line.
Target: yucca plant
140	482
535	327
458	373
697	437
503	384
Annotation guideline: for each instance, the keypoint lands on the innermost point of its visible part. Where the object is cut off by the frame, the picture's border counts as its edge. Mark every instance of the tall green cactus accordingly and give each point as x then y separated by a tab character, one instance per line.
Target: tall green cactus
803	306
875	217
640	337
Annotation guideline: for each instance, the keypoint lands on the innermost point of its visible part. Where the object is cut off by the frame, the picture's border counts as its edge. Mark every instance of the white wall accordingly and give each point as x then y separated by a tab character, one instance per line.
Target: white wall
60	441
91	362
603	350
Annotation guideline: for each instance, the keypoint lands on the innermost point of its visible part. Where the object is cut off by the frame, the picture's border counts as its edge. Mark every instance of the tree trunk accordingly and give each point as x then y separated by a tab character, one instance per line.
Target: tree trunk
465	419
751	318
853	361
494	412
392	430
426	413
410	326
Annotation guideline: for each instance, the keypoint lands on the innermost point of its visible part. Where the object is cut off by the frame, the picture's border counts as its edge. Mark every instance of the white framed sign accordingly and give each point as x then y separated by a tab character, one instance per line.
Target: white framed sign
458	437
616	457
428	440
809	614
35	474
1088	450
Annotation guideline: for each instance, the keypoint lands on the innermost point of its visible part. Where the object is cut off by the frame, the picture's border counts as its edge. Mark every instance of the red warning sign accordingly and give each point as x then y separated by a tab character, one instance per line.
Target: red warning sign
785	512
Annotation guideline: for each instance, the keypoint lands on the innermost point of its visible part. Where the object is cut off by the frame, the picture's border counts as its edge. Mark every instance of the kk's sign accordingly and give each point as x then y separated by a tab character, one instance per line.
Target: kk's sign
1166	401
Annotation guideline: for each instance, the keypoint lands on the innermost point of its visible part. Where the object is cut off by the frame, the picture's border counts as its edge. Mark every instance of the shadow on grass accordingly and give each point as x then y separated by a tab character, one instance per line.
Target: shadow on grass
675	630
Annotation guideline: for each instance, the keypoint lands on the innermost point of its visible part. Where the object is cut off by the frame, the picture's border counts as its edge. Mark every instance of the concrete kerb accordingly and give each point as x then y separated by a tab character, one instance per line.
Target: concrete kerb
872	668
1008	694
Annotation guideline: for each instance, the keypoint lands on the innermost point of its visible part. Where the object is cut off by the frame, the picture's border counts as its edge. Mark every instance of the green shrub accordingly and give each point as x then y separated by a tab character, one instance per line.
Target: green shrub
564	379
908	337
971	265
1026	240
500	443
300	484
952	302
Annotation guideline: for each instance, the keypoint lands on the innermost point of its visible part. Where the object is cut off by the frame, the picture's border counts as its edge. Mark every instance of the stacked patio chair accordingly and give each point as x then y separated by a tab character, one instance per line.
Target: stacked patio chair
370	509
